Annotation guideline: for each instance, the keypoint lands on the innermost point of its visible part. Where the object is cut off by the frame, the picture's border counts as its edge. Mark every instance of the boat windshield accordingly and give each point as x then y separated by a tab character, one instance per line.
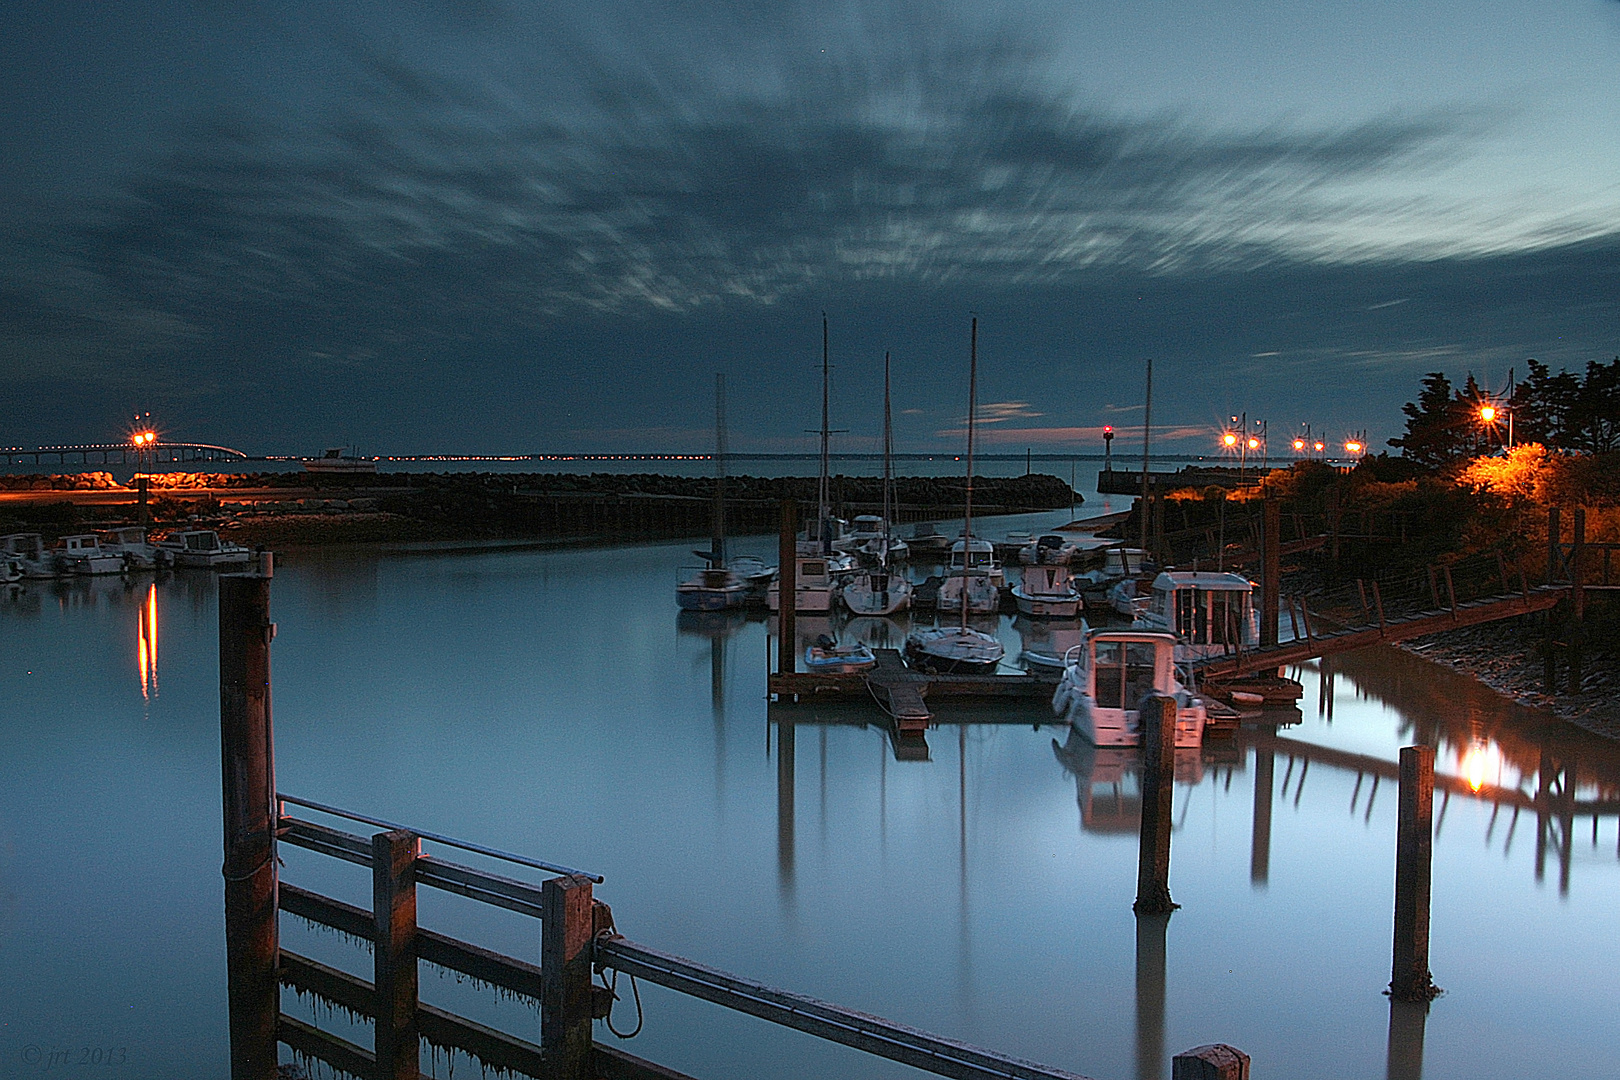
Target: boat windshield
1123	673
202	542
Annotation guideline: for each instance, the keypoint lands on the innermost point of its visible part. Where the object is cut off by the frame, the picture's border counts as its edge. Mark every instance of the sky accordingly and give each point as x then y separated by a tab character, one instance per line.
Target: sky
490	226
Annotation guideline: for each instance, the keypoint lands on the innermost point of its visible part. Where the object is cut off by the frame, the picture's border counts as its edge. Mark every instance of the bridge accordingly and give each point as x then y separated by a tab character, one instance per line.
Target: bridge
121	453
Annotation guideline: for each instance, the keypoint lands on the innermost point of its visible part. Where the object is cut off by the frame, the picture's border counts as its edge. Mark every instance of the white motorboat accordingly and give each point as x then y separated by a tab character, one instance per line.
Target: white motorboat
813	585
961	649
927	542
334	461
973	571
130	542
1109	674
200	549
29	552
82	554
1210	614
1048	549
865	529
1047	591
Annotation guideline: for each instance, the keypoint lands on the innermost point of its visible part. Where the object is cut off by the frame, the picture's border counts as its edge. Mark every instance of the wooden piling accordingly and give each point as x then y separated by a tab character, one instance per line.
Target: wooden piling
143	513
1577	600
1150	995
247	758
1158	727
1410	979
1270	572
566	938
787	656
393	907
1215	1062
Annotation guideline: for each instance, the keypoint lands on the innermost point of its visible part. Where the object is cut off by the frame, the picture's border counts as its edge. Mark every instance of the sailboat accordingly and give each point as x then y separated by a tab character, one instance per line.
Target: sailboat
714	587
881	591
819	564
959	649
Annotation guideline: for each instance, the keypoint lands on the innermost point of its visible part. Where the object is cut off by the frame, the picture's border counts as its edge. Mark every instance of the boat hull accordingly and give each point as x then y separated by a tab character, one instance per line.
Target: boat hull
709	599
1045	606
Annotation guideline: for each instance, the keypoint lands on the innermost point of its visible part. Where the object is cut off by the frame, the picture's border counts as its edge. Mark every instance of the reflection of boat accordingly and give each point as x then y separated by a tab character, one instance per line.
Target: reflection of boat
1211	614
960	649
875	631
710	624
1047	591
334	461
83	555
1046	643
200	549
1109	673
825	657
1107	781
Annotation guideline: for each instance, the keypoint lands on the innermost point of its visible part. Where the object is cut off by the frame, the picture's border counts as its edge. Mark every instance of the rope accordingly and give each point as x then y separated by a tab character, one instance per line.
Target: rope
613	989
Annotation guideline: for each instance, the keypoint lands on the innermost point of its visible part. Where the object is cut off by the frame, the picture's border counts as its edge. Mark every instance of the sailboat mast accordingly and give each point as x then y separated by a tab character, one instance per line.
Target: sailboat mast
967	517
719	547
1147	434
888	465
821	493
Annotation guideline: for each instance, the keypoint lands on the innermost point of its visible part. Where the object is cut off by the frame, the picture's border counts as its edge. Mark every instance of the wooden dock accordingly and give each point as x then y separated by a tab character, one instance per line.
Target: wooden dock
891	675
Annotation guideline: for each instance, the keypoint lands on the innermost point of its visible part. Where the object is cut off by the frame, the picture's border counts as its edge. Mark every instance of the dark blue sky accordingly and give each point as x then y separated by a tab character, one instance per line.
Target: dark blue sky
471	225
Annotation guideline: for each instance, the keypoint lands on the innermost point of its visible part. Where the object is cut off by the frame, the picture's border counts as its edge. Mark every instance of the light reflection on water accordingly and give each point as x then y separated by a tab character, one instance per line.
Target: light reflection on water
556	704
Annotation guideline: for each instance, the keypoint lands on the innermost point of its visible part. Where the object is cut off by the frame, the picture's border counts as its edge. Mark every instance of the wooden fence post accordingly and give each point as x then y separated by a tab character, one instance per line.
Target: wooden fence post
1414	850
566	937
1215	1062
787	586
1577	597
393	908
1271	571
1157	724
247	758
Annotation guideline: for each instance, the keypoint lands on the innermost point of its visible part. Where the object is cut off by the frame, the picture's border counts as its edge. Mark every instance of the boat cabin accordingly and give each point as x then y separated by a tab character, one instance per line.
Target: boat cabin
1211	614
974	554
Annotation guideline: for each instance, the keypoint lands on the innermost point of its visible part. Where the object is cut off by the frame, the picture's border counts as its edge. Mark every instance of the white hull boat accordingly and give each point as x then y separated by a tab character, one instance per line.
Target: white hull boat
1047	592
711	589
1106	680
954	650
30	554
876	592
201	549
813	586
1210	614
82	555
131	544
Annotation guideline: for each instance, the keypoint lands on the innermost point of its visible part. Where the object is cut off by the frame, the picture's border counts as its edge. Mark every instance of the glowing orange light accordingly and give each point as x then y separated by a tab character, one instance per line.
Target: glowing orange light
1352	447
1254	444
1299	444
1320	447
1476	764
1229	439
1487	413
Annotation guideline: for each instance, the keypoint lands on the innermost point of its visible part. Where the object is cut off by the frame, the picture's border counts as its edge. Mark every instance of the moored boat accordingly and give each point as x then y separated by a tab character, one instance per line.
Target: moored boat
82	554
131	544
826	657
711	588
1047	591
29	553
1210	614
200	549
334	461
975	574
1106	679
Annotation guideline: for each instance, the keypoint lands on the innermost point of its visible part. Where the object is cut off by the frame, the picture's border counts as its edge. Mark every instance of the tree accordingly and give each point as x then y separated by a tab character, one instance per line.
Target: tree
1568	412
1437	431
1594	415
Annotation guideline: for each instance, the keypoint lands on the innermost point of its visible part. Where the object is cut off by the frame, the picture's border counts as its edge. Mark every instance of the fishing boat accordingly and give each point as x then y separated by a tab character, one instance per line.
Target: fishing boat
960	649
82	555
813	585
1210	614
881	591
334	461
29	552
200	549
1106	678
131	544
1047	591
715	587
826	657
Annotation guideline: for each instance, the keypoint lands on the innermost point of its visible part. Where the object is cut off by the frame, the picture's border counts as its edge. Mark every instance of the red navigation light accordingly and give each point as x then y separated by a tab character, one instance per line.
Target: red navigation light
1108	429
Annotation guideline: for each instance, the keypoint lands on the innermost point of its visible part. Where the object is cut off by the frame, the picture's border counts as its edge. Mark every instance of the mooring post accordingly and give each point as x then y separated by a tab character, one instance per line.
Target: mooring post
787	585
1158	727
1271	571
1414	851
566	935
143	513
393	908
1215	1062
247	757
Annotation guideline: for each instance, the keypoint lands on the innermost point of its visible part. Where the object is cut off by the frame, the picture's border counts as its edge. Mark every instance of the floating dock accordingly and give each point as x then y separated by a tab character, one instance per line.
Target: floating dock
903	692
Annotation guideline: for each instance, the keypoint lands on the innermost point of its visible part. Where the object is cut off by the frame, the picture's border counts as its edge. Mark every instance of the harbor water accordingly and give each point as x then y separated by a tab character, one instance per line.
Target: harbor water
552	703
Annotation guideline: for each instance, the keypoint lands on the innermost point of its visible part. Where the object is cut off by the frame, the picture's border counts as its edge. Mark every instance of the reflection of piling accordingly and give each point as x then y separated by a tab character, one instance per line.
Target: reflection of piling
1150	950
393	906
785	755
1414	851
248	756
787	585
1158	727
1271	572
1407	1020
1260	842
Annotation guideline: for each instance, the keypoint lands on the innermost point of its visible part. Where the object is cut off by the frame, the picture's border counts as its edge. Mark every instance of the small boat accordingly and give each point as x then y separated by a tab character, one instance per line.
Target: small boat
755	574
973	572
927	542
1049	549
1107	677
335	461
827	657
11	571
83	555
813	585
1047	591
960	649
865	529
712	588
1210	614
130	542
200	549
877	592
29	552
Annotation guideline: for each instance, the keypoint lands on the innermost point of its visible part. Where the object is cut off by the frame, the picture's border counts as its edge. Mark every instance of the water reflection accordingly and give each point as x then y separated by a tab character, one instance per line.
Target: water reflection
146	645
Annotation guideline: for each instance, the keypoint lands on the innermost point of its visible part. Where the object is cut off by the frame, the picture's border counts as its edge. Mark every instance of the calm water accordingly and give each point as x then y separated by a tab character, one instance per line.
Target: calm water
553	704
